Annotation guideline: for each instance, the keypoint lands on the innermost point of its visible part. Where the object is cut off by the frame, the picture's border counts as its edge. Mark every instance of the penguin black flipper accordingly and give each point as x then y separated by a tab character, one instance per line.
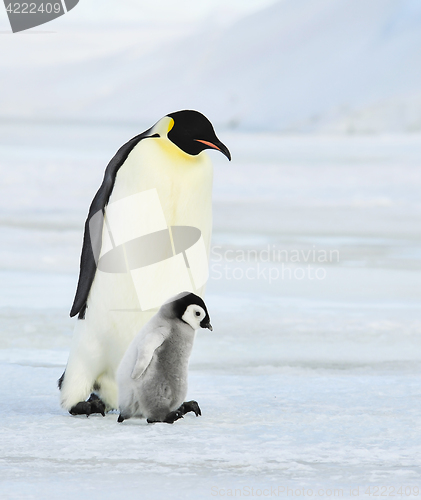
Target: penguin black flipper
100	201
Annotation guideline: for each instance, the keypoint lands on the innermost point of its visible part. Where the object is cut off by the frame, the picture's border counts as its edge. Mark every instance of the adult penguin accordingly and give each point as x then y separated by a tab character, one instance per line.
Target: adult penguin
147	229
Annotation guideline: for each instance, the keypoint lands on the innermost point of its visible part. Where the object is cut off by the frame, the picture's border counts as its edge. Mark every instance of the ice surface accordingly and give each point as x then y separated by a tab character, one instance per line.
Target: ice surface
304	382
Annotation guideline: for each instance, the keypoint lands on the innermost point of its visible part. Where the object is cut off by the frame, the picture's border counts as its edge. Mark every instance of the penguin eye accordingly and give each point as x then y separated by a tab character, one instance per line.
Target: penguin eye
197	313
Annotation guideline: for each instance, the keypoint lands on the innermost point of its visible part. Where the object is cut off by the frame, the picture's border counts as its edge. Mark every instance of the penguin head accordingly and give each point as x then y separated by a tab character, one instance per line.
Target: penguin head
194	315
189	308
192	132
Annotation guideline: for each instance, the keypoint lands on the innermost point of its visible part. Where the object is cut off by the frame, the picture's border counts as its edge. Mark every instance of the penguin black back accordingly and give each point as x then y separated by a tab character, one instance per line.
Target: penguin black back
92	242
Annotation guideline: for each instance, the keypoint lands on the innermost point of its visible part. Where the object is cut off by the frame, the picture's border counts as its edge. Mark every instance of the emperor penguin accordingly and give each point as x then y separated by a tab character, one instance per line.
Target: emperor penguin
146	238
152	376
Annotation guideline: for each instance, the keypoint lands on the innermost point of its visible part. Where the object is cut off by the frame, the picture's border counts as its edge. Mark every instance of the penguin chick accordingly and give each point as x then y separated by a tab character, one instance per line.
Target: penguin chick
152	376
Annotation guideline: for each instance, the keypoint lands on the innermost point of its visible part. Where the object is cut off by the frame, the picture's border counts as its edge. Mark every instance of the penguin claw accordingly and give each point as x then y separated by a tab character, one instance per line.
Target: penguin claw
92	405
190	406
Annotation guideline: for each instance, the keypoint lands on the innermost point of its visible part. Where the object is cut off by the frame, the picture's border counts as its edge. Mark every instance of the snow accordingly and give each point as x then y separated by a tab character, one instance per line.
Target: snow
304	382
298	65
311	377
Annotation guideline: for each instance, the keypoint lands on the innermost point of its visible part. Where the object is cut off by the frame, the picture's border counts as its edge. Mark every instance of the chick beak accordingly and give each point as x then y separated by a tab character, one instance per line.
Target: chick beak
209	327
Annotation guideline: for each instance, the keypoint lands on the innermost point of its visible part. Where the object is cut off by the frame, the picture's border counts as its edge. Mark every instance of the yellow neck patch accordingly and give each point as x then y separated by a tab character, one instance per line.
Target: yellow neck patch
170	125
163	126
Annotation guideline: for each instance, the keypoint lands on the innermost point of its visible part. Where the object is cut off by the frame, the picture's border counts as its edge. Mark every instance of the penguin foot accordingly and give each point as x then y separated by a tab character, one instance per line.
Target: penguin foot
120	418
169	419
173	416
190	406
92	405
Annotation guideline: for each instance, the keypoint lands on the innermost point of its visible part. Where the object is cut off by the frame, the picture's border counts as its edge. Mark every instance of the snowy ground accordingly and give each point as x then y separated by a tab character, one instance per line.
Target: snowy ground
306	382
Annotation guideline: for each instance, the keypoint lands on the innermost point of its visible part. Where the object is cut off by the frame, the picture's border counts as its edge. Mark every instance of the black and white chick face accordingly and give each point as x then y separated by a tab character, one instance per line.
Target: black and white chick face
196	317
188	307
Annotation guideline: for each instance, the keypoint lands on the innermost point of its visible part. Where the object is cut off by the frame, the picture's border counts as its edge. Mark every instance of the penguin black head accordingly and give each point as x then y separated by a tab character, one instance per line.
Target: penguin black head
190	308
192	132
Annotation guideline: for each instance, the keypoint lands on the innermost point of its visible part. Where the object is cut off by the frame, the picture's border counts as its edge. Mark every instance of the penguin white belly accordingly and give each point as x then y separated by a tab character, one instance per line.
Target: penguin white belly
114	316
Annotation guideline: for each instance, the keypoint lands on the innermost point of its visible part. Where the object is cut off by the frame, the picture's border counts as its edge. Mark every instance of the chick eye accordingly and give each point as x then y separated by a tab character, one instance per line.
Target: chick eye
197	313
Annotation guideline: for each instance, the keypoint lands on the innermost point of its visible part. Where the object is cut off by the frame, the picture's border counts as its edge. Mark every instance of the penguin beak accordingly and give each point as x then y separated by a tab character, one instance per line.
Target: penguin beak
208	326
217	145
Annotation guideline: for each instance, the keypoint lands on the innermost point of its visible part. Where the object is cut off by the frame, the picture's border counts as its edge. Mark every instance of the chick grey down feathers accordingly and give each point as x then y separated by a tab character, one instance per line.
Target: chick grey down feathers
152	376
